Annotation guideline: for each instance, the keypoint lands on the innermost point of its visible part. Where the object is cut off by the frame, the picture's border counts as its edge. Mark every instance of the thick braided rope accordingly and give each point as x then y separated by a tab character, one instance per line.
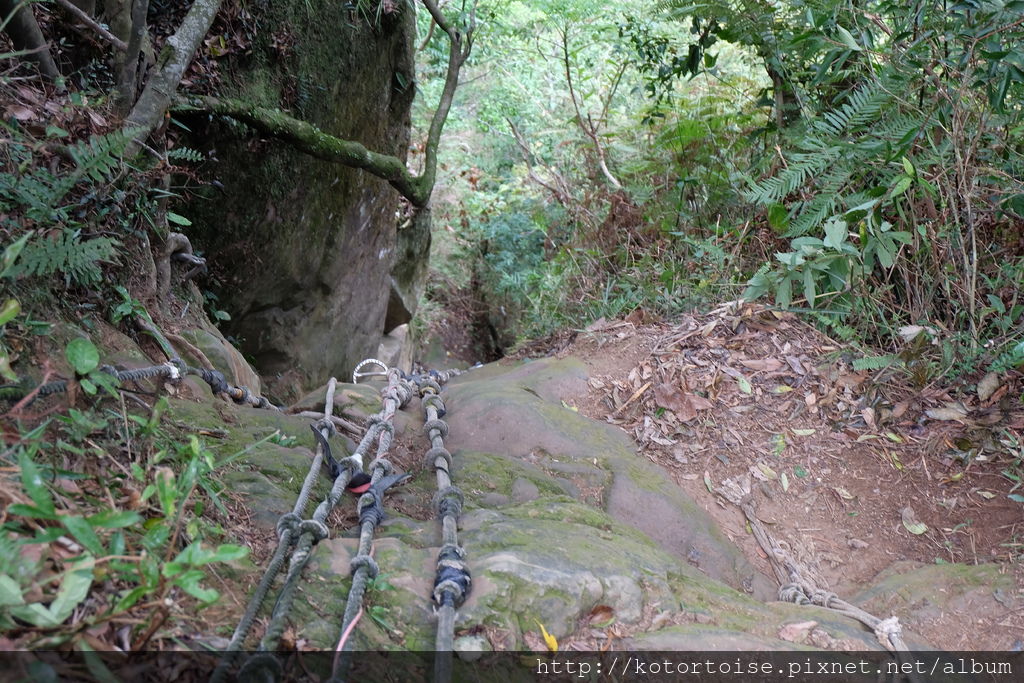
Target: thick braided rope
797	589
286	535
173	370
300	556
452	581
395	396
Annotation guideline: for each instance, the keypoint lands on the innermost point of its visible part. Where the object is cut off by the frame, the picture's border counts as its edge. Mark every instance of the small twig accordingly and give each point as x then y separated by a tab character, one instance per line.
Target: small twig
94	25
191	348
340	422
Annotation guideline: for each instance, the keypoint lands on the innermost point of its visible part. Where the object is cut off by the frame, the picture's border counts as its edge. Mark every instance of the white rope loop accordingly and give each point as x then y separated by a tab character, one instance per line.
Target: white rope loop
383	372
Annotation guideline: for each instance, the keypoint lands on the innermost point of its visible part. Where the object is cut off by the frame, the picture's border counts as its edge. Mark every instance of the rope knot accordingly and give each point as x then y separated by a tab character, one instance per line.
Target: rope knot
427	383
437	402
449	502
263	666
315	527
322	425
384	464
823	598
886	629
360	561
431	456
288	522
794	593
440	425
246	396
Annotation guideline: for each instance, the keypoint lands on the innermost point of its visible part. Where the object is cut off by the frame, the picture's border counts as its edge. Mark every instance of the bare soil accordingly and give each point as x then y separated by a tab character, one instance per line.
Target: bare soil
849	471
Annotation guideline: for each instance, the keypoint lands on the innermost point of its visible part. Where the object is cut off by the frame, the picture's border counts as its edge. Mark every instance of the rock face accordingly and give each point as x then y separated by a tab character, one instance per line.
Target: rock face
307	246
562	520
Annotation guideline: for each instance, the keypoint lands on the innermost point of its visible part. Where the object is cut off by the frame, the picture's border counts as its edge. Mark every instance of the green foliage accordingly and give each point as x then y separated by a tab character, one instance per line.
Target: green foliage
83	355
186	154
158	549
67	254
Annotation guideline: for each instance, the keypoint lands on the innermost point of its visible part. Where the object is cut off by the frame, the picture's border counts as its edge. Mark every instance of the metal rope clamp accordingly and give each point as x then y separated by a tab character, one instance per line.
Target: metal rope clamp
356	375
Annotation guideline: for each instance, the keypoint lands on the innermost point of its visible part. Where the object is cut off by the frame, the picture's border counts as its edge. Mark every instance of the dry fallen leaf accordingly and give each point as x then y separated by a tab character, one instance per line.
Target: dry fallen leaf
683	404
763	364
601	616
911	522
949	412
988	385
19	112
843	493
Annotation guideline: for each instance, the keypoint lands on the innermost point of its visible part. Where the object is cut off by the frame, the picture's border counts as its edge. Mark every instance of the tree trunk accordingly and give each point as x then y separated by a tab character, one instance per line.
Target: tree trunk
25	35
170	67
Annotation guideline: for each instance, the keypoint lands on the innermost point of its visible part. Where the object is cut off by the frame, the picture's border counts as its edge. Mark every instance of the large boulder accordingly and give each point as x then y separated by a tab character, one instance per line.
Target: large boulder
562	521
306	247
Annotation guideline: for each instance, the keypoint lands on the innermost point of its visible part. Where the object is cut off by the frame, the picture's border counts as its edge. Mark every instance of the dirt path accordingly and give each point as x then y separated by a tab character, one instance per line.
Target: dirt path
852	471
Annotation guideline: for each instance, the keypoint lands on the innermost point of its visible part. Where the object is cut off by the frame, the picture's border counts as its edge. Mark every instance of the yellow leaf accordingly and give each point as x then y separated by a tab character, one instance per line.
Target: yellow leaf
549	639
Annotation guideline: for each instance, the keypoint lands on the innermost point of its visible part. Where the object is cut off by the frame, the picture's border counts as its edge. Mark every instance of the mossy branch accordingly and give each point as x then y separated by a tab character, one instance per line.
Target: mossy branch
311	140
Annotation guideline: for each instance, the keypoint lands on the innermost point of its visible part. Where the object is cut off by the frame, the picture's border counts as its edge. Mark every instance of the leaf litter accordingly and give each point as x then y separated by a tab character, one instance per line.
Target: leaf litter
833	455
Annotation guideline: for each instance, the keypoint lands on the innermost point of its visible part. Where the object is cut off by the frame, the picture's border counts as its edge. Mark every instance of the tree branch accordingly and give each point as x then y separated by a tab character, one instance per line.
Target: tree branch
311	140
93	24
459	47
170	66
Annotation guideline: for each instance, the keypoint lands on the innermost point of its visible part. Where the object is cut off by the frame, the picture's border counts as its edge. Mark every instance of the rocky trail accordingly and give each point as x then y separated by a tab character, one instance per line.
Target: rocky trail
596	487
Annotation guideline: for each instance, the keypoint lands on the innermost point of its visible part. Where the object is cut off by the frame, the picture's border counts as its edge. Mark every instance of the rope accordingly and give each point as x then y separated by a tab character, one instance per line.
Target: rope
173	370
289	528
795	588
364	569
452	581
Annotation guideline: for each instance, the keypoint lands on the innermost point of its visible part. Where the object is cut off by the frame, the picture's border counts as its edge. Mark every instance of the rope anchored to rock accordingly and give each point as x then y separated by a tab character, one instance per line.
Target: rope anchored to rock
293	534
452	581
364	568
796	588
173	370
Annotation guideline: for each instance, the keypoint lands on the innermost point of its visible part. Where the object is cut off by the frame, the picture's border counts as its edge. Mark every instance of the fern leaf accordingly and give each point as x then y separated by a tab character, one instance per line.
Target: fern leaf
186	154
98	157
67	254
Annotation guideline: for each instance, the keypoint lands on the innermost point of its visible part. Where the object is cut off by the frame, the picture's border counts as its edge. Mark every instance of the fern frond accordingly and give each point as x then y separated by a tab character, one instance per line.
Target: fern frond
69	255
98	157
186	154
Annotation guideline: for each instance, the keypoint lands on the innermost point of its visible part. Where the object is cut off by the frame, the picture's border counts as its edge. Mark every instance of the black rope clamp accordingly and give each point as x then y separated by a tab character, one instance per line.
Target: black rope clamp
325	446
370	508
452	581
215	378
449	502
431	456
440	425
